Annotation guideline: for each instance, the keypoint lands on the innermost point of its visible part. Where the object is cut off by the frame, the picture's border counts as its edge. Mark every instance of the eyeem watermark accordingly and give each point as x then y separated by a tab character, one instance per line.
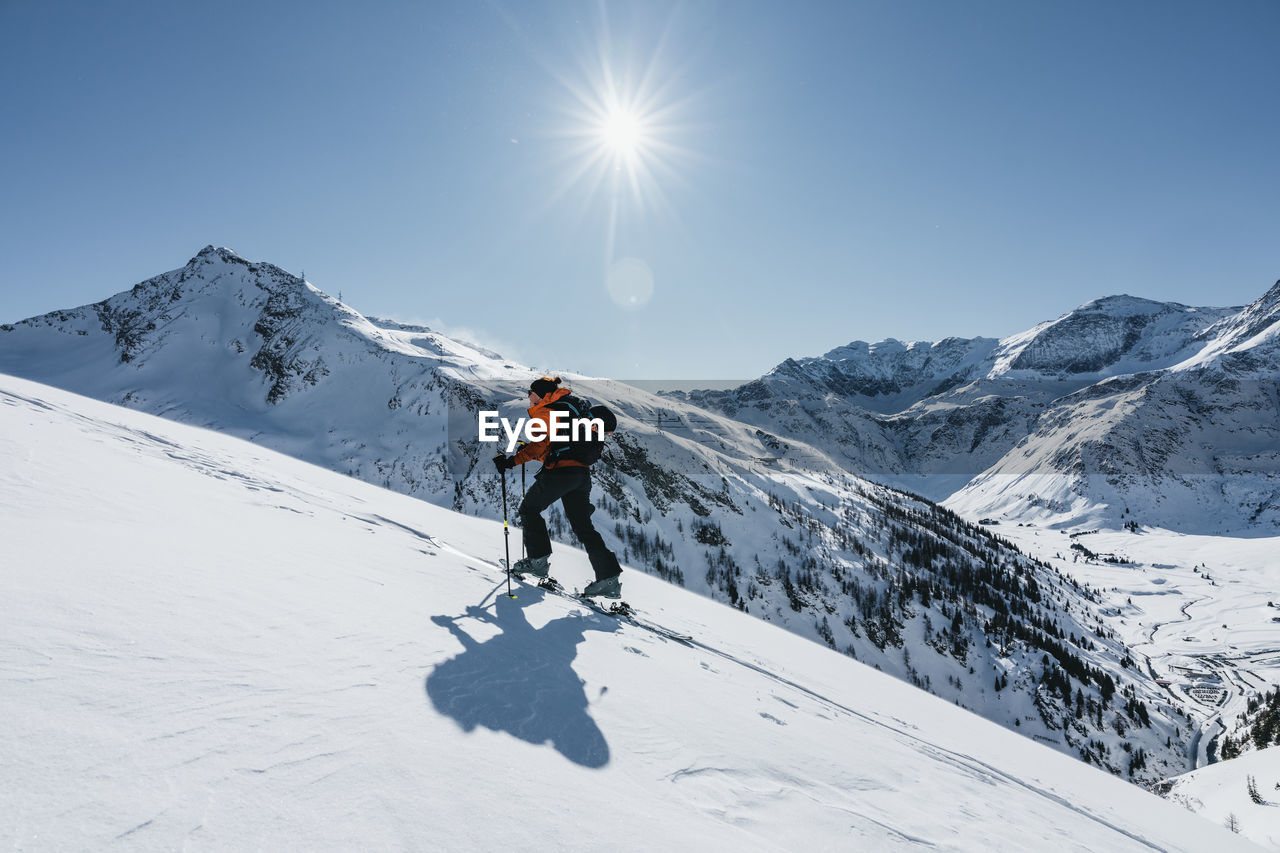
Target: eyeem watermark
563	428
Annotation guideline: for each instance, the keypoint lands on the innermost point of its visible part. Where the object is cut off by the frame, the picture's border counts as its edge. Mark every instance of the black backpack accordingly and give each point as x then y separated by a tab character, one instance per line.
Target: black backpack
588	445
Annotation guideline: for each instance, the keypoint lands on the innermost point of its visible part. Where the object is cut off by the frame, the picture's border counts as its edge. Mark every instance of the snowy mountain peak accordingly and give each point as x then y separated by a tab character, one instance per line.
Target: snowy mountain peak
1108	337
892	346
853	349
1260	314
1246	343
255	333
215	251
211	256
886	376
1124	305
862	351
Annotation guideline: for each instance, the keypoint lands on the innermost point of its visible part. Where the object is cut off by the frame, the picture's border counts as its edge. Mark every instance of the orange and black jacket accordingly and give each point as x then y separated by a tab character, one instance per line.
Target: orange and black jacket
539	449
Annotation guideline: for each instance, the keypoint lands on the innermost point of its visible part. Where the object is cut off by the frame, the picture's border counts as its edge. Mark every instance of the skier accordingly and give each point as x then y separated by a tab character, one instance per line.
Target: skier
565	479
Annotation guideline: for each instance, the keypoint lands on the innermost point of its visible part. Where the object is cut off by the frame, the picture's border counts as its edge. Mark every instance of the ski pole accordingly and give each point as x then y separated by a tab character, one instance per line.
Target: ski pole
506	533
522	497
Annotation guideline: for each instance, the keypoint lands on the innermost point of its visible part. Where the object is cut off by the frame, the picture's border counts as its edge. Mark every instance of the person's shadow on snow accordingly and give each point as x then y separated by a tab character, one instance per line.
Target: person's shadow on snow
522	680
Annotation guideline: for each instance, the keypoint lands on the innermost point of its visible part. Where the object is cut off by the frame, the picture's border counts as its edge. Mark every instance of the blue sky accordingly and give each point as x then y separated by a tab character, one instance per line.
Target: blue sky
806	174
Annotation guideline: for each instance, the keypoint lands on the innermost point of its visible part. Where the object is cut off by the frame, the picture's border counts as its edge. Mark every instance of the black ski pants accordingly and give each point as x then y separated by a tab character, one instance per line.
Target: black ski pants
572	487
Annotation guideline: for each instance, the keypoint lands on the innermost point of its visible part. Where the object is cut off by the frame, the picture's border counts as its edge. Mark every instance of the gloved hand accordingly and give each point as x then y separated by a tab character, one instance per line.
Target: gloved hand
502	463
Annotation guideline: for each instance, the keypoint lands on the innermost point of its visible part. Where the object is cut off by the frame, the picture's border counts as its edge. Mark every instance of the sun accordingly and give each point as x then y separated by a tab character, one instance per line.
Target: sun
622	121
624	115
622	133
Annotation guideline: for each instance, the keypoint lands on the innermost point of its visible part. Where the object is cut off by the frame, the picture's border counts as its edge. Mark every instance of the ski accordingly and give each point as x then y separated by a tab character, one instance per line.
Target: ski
626	613
619	610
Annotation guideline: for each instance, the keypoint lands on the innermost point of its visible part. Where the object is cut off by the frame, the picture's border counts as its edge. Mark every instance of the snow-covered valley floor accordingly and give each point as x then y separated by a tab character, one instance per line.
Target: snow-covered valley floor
208	645
1202	611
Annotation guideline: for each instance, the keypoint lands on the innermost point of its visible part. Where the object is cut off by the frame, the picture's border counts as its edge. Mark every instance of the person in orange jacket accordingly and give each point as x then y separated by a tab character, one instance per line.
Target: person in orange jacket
567	480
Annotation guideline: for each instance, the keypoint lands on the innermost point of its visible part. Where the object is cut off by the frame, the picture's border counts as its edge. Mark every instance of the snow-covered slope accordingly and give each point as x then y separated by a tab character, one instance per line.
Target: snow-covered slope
774	527
1245	338
211	646
1195	450
1221	793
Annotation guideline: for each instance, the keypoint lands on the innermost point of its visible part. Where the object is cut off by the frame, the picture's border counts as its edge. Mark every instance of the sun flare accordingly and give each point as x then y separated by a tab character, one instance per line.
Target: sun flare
624	123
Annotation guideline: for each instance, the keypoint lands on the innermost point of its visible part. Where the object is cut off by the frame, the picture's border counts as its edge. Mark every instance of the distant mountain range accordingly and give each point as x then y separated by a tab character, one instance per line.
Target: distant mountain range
761	497
1123	410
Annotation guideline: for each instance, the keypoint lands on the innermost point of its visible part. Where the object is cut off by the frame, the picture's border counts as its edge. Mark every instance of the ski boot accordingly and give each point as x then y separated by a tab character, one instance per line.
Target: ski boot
604	588
539	567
